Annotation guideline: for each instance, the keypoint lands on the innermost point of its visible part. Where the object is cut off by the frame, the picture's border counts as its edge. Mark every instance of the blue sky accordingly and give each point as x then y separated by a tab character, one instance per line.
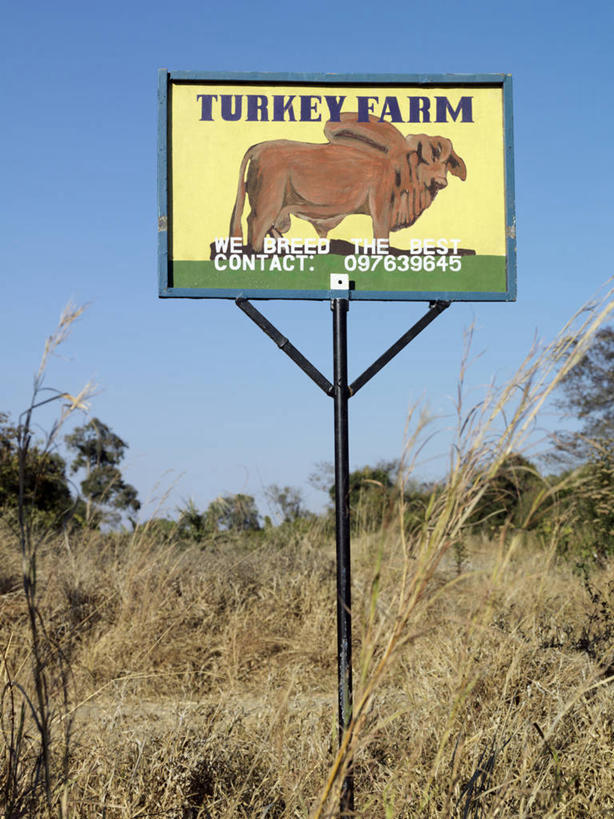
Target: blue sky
206	402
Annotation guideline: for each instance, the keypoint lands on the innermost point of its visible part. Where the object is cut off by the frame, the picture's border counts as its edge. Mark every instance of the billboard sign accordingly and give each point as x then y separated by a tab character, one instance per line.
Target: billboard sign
285	186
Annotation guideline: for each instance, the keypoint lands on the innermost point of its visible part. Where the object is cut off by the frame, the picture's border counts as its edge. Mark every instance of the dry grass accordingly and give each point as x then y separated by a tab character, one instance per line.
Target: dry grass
187	682
204	683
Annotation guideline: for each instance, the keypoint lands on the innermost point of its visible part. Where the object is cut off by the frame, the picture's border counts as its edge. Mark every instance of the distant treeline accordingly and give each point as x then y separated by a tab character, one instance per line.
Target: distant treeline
575	503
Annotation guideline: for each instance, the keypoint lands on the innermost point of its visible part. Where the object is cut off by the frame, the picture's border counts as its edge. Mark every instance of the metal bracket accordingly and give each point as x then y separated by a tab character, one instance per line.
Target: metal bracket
284	345
436	307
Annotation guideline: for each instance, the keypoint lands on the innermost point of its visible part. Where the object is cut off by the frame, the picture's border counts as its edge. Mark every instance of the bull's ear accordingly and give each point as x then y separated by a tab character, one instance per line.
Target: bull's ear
456	166
374	136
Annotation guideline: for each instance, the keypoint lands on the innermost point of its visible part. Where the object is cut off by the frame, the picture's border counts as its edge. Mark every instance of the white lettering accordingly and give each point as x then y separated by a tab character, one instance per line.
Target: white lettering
296	246
377	246
221	244
430	247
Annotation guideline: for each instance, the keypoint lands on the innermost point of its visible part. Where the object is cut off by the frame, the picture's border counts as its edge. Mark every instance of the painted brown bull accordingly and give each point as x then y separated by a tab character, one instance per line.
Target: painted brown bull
366	167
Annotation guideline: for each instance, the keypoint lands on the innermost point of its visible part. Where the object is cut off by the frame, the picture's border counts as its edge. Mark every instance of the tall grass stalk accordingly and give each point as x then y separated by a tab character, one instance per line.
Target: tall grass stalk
501	423
29	720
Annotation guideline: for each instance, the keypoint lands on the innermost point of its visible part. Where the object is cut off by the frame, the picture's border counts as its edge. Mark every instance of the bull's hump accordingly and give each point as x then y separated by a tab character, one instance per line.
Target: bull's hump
317	151
288	146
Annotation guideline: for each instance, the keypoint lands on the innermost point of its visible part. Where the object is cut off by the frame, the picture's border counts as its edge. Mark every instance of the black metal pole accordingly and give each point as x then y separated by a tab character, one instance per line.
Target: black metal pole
342	517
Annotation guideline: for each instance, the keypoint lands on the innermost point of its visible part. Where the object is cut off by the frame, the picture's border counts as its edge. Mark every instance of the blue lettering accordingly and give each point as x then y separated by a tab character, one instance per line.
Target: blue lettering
280	108
419	109
391	109
206	101
464	108
309	107
365	108
227	113
334	106
257	108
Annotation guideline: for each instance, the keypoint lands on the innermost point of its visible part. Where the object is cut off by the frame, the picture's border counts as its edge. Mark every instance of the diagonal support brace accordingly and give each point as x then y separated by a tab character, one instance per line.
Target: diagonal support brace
289	349
436	308
316	376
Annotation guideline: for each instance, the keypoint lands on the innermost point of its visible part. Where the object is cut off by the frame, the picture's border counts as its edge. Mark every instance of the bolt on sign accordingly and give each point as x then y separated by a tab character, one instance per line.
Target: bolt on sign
285	186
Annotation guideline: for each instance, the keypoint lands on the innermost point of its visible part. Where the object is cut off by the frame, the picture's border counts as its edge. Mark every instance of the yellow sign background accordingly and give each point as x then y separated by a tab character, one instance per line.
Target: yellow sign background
206	157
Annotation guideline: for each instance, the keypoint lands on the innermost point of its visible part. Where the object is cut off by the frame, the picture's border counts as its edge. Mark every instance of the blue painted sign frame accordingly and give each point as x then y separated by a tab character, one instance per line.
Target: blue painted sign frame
168	80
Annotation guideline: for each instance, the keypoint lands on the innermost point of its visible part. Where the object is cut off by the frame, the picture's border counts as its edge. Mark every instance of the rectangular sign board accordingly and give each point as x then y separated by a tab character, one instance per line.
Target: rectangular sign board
298	186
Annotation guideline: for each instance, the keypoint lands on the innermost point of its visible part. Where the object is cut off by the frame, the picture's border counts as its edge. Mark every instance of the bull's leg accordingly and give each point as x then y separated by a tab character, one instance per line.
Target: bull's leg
265	217
381	227
253	227
257	228
380	209
282	224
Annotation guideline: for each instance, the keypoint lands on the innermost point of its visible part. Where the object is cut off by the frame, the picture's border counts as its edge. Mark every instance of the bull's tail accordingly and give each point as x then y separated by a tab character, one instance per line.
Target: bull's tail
237	211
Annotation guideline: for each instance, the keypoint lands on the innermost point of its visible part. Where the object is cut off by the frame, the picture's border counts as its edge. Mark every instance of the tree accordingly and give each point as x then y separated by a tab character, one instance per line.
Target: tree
99	452
288	502
238	512
192	524
373	491
46	489
589	392
592	502
224	514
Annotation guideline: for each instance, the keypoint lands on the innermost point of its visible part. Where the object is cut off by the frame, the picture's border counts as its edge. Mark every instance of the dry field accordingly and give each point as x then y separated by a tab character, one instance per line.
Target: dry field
202	682
145	677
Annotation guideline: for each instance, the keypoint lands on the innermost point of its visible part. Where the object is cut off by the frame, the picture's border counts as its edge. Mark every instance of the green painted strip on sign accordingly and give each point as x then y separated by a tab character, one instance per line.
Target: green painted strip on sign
480	274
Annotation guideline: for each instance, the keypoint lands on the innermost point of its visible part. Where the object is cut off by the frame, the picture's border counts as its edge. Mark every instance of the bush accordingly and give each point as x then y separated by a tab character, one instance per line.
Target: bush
583	509
46	493
509	495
